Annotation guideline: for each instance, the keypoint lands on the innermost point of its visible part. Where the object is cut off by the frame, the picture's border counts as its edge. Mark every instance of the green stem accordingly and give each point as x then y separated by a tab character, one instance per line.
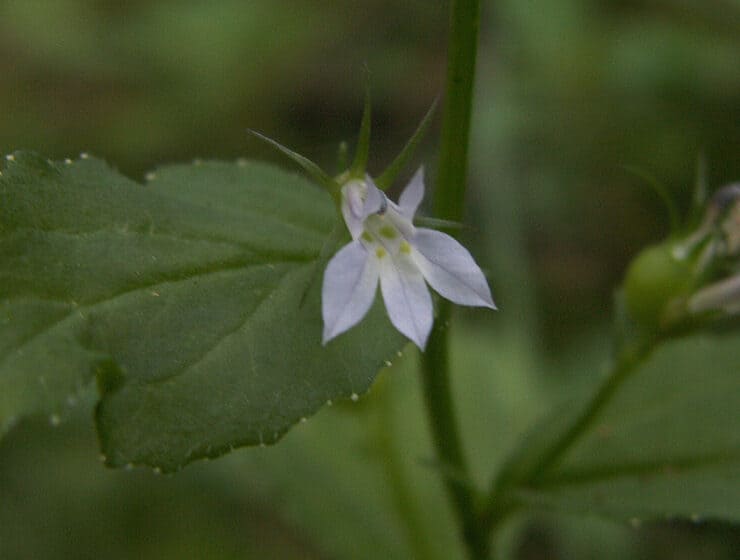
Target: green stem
501	501
405	500
453	156
449	204
624	365
445	434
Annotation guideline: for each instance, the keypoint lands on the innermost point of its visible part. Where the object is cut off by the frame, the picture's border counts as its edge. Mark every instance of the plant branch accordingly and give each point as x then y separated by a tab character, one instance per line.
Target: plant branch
501	497
624	365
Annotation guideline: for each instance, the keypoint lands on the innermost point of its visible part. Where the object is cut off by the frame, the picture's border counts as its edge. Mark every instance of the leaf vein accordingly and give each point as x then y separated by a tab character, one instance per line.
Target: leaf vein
177	236
108	299
222	337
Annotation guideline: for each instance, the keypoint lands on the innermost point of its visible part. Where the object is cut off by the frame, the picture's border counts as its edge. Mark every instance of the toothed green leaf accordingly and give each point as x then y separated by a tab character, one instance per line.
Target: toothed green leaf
192	299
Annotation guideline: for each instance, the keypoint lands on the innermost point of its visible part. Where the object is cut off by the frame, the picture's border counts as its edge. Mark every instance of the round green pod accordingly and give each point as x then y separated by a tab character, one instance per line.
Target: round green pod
654	279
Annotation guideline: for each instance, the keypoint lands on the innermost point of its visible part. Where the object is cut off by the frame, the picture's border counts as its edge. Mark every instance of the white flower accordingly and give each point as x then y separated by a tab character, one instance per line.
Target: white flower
386	246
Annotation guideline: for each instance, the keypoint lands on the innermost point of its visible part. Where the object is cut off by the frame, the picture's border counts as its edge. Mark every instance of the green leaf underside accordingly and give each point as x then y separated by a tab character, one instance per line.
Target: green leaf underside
193	299
667	443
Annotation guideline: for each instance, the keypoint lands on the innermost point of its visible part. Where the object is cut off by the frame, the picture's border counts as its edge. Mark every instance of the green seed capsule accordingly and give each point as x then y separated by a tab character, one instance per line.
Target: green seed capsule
655	279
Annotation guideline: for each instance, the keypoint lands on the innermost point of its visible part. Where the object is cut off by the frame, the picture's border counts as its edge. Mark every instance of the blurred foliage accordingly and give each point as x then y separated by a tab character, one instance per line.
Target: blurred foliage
573	91
569	92
330	489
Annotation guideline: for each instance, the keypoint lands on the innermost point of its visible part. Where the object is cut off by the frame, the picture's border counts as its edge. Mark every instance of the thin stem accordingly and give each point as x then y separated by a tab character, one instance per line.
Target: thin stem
500	500
453	156
448	204
405	500
624	365
445	434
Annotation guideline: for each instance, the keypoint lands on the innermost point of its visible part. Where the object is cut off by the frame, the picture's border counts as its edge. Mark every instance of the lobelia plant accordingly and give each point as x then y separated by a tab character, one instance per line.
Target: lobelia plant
191	310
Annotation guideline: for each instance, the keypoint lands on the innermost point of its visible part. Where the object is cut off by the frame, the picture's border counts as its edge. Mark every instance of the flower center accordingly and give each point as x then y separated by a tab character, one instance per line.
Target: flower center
381	236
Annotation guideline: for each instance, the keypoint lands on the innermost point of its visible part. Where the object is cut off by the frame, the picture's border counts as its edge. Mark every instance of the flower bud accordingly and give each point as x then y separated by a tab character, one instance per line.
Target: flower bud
691	281
656	280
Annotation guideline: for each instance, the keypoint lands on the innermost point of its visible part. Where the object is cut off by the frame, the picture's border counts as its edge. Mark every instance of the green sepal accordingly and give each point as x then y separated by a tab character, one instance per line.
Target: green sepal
659	189
359	164
438	223
342	157
701	190
308	166
385	180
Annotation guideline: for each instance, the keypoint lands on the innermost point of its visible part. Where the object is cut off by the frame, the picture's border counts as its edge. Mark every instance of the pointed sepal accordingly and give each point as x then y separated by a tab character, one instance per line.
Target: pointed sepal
386	179
701	190
308	166
663	193
342	157
359	164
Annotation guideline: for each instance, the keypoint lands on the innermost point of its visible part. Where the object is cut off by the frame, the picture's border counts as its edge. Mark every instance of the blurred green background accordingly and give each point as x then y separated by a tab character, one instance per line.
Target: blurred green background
568	94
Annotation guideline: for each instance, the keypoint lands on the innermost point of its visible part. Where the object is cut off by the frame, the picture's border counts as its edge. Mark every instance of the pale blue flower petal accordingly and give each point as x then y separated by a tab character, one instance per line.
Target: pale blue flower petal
353	202
350	283
387	246
354	225
407	298
449	269
412	195
354	193
720	296
375	201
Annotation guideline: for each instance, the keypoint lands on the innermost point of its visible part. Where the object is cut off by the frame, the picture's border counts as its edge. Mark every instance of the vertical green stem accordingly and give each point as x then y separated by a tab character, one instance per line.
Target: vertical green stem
449	204
445	434
453	156
397	475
